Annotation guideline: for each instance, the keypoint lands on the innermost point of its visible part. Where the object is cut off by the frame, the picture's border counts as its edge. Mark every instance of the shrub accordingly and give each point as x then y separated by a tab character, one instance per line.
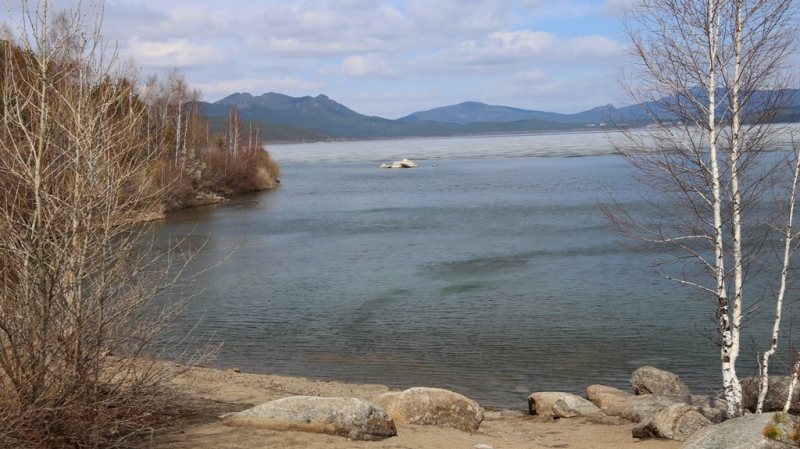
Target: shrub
773	432
78	281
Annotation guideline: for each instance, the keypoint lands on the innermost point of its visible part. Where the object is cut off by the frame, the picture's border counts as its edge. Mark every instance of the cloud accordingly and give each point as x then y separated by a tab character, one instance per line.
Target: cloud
616	8
520	48
594	46
558	9
534	76
329	28
174	53
455	18
370	65
501	47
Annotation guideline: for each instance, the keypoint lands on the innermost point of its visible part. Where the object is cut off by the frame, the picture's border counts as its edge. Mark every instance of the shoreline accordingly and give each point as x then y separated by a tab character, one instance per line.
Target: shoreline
204	394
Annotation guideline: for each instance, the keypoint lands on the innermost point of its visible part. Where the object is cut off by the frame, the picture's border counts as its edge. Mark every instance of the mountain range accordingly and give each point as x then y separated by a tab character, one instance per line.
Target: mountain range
283	118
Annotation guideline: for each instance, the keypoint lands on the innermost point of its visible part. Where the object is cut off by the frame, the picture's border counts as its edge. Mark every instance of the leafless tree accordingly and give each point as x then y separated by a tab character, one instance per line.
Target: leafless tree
709	73
79	321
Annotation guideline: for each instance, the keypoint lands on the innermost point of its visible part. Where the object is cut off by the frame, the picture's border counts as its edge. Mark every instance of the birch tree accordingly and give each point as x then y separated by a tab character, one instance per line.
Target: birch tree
709	74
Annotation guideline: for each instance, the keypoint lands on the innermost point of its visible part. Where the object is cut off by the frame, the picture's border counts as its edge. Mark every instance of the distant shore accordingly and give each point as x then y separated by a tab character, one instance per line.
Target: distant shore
207	393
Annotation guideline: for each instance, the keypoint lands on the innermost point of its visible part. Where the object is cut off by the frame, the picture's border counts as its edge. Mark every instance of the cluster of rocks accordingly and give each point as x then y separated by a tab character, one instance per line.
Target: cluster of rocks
663	407
660	404
402	163
359	419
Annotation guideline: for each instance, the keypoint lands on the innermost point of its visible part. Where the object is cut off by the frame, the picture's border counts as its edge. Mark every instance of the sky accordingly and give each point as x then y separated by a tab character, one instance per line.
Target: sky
383	57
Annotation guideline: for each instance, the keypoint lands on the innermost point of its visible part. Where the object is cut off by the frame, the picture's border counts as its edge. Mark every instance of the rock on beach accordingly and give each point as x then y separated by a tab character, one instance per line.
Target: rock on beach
353	418
432	406
650	380
776	395
745	432
676	422
615	402
561	405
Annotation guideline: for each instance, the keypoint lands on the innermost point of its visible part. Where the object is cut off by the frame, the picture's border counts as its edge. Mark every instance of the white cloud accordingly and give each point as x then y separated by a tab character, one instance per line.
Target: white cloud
534	76
593	46
455	18
502	47
174	53
329	28
366	66
558	9
292	47
616	8
520	48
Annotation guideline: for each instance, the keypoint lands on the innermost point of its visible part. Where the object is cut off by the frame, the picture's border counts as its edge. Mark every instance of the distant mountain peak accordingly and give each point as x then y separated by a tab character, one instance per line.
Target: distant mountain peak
322	117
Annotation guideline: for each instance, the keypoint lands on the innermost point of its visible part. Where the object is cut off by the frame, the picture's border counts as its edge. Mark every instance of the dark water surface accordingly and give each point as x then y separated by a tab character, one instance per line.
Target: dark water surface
492	277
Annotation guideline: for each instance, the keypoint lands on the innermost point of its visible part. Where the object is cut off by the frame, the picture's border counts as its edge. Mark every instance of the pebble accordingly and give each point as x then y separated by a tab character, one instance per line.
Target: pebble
482	446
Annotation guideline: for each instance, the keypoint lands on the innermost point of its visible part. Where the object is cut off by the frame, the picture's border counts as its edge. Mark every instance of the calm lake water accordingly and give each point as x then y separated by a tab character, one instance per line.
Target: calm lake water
489	270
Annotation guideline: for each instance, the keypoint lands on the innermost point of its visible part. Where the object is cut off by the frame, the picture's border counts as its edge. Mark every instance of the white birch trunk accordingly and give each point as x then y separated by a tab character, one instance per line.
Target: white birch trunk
776	324
792	386
730	381
736	196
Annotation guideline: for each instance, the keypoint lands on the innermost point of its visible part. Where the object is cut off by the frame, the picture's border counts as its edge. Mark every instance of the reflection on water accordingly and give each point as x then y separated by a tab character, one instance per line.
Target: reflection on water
493	277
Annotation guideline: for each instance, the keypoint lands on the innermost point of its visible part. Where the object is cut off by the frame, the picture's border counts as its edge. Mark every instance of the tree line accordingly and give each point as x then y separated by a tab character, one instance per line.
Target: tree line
194	162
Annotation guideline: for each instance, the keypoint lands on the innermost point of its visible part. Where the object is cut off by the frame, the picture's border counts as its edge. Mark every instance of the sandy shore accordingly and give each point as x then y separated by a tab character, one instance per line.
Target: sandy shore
209	393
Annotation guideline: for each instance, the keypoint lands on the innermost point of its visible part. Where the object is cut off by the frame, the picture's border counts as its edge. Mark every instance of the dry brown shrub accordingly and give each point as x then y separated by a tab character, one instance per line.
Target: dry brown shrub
83	314
249	171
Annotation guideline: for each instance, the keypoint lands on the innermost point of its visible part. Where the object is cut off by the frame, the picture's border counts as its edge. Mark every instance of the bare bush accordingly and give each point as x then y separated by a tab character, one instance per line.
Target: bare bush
78	319
239	163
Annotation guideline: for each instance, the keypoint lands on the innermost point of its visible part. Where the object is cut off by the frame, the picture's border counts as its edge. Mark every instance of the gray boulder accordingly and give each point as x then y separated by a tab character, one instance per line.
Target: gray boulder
746	432
348	417
676	422
615	402
776	395
575	406
432	406
711	407
650	380
542	402
561	405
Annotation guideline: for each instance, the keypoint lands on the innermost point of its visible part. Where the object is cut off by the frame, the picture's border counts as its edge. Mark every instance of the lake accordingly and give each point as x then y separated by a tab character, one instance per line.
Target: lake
489	270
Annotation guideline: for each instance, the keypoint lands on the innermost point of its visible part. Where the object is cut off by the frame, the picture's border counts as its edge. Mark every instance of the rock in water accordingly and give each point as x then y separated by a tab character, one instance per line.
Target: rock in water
432	406
403	163
676	422
348	417
649	380
745	432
